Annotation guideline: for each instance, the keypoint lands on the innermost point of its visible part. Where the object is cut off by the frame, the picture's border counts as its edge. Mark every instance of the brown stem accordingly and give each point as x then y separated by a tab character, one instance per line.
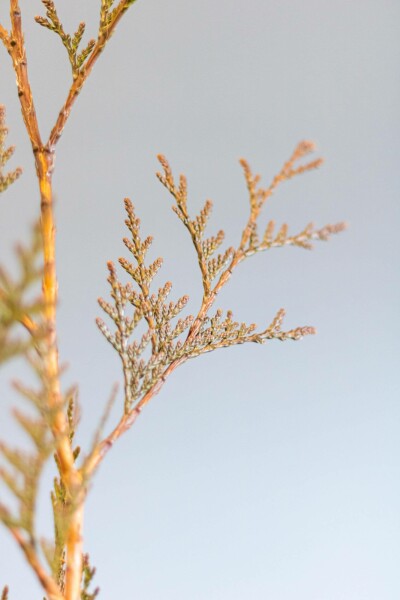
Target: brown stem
16	49
127	420
100	451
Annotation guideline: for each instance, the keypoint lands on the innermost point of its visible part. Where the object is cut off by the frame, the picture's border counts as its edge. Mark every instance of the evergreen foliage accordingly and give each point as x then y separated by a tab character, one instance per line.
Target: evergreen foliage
110	12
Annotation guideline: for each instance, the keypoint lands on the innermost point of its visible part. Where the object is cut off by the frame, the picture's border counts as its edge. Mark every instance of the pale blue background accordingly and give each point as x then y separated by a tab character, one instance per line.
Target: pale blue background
260	472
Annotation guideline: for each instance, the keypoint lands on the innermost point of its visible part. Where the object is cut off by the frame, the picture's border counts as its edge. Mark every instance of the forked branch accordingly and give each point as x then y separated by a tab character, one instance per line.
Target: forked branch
82	62
146	373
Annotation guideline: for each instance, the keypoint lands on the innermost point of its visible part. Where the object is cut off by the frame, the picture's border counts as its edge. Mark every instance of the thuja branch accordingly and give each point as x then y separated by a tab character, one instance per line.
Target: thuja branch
224	264
82	63
174	342
169	339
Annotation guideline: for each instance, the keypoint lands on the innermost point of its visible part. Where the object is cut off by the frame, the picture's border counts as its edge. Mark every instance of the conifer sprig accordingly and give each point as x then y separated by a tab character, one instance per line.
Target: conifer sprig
110	13
205	247
251	243
6	179
82	61
145	371
71	43
224	264
142	370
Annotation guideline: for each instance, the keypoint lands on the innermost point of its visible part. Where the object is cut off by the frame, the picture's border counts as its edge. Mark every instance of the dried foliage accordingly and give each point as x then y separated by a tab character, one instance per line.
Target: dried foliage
6	179
141	371
169	341
169	336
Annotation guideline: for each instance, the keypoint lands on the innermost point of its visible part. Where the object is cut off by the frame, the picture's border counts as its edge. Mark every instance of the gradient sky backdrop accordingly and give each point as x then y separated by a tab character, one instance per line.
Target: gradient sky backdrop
259	472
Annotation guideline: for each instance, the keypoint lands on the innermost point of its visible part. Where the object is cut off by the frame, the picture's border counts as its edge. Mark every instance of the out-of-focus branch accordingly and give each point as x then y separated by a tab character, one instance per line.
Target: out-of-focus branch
31	555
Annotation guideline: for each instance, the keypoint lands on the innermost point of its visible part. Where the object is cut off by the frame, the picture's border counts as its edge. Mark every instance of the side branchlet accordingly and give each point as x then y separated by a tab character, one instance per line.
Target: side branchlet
145	370
224	264
141	369
72	43
6	179
110	12
258	195
205	247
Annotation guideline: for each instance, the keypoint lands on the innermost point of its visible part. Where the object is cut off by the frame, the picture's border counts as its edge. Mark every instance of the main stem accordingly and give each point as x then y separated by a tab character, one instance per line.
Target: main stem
44	161
70	476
